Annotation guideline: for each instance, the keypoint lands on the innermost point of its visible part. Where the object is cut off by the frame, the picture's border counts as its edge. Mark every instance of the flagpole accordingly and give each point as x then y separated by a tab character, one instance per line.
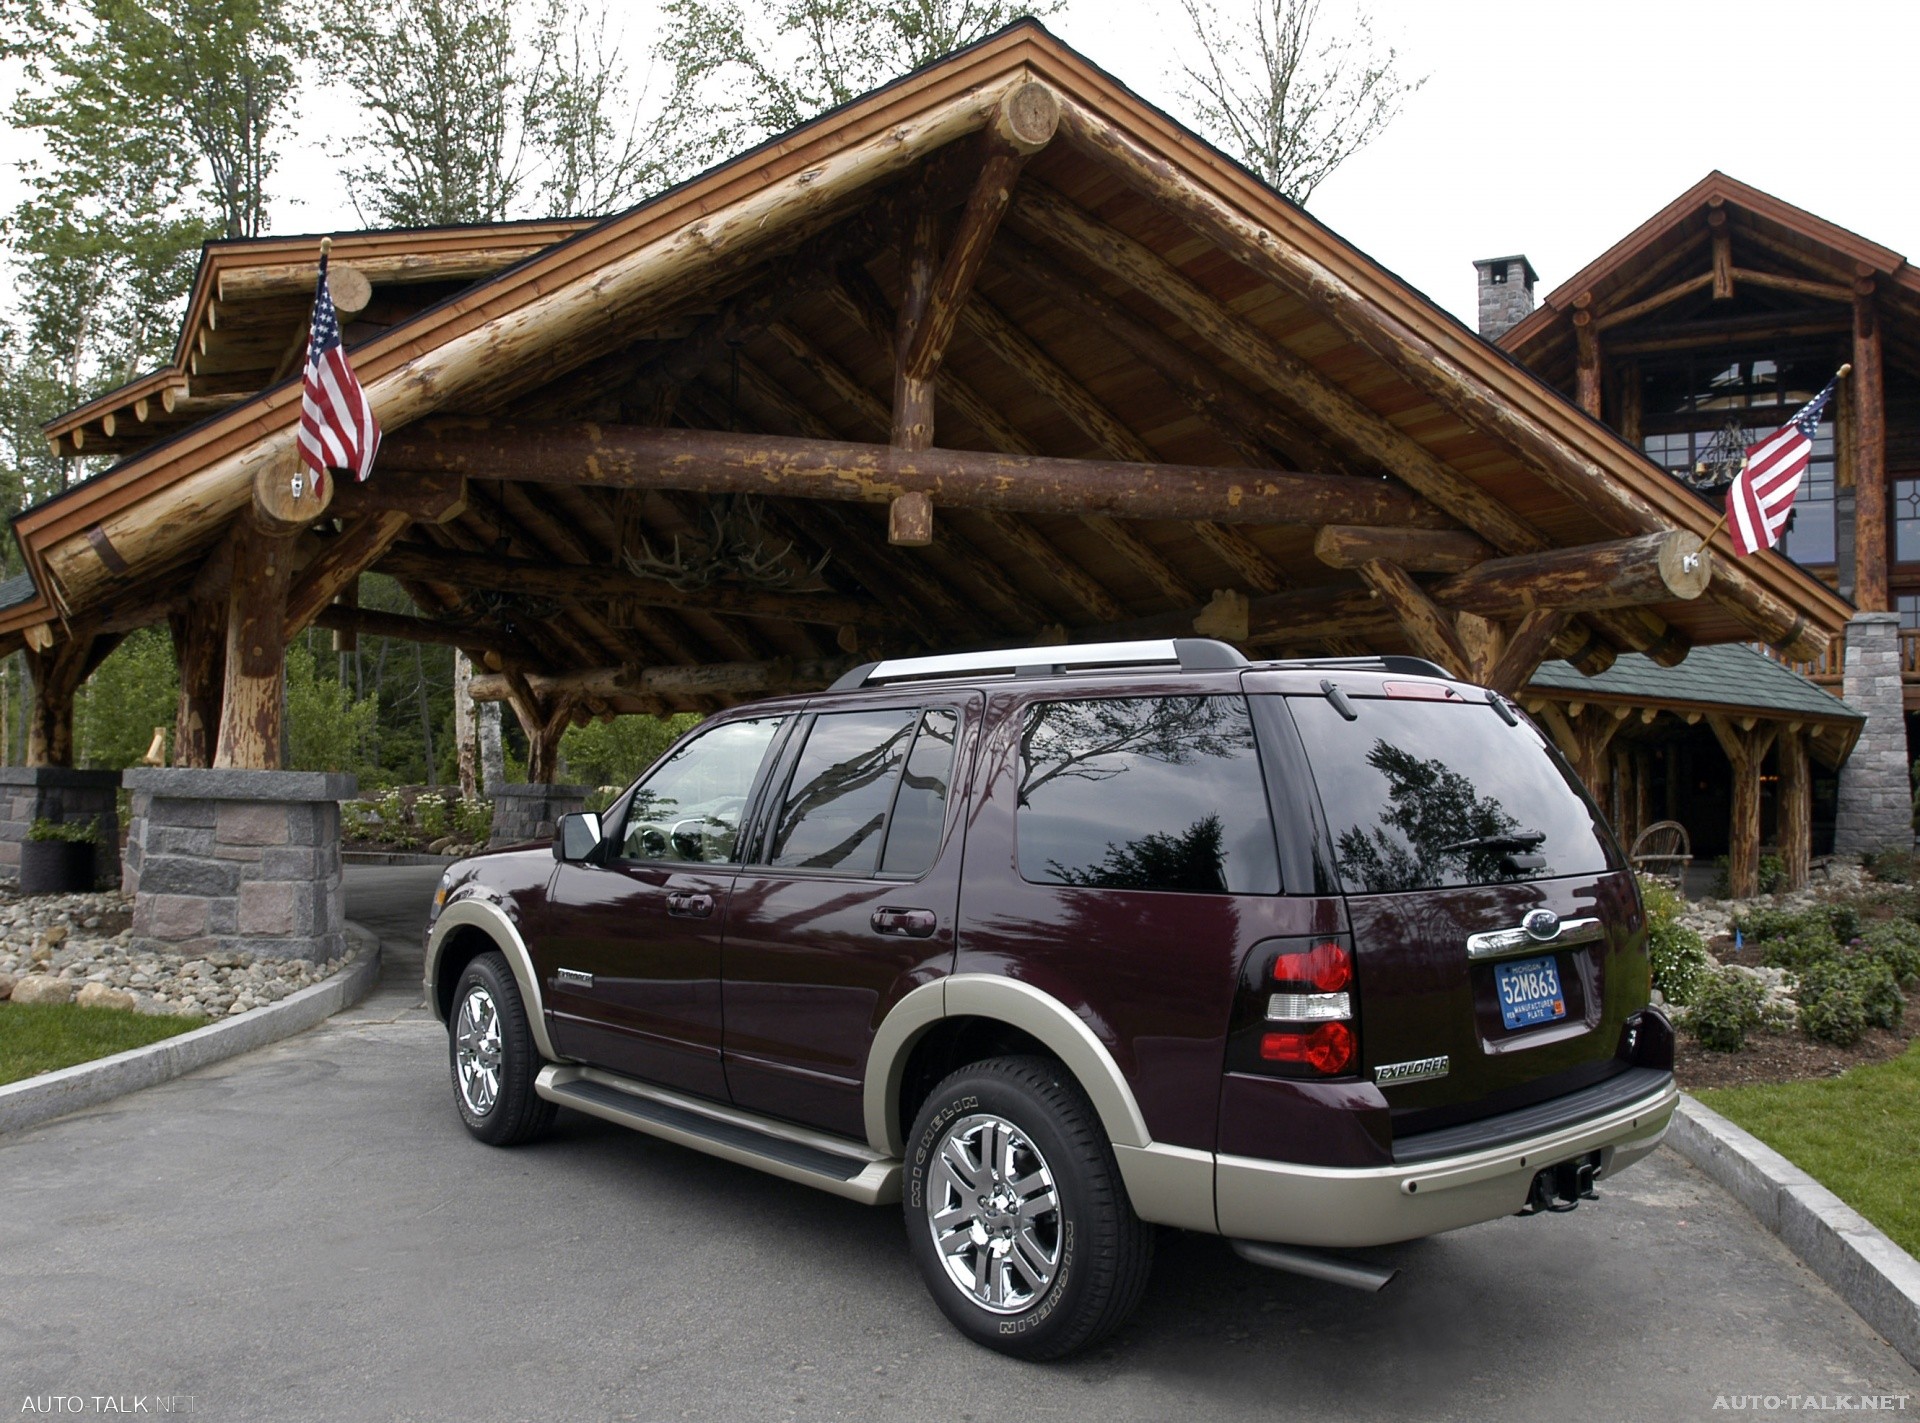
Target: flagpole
1846	369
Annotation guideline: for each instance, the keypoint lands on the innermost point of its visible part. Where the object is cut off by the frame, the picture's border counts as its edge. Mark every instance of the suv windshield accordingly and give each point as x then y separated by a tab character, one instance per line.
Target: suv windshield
1427	794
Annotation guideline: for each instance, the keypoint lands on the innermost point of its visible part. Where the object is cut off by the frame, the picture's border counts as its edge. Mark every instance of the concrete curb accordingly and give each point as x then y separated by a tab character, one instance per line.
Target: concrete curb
392	857
1879	1279
87	1084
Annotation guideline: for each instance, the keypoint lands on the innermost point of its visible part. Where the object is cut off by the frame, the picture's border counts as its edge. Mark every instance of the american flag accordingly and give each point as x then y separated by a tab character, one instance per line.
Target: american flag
337	428
1762	493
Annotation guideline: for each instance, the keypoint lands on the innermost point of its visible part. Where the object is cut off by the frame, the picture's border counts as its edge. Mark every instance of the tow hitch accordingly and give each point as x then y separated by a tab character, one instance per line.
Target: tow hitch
1562	1187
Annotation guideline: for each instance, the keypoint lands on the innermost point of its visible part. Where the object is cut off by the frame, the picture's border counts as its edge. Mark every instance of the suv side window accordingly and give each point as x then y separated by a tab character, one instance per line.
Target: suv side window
1155	793
689	806
848	804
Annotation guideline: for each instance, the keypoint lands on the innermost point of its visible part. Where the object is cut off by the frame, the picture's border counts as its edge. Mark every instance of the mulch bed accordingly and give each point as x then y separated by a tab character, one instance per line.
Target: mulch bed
1786	1056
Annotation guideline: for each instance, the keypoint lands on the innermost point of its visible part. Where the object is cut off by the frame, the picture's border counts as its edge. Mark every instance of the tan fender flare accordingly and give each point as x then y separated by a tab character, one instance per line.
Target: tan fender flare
492	921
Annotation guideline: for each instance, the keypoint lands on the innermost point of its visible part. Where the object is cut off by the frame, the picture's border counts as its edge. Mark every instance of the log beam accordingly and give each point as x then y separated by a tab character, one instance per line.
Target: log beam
1568	469
253	700
618	684
338	566
588	583
718	462
424	497
469	637
1621	573
1428	627
1869	456
1526	648
1416	550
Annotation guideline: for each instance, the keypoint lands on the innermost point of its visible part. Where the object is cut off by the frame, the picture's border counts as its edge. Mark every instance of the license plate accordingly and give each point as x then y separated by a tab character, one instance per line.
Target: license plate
1529	992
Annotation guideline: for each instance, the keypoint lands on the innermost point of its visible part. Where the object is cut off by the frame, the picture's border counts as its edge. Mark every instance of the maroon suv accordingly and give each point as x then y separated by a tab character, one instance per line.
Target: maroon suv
1058	944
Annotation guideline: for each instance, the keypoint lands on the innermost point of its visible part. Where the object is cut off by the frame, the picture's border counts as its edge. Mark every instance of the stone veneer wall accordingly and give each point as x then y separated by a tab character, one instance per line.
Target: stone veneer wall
30	793
1504	303
523	813
237	862
1876	797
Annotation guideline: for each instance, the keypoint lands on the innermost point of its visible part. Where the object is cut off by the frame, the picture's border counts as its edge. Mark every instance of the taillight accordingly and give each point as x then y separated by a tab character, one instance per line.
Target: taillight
1298	1015
1327	1049
1326	968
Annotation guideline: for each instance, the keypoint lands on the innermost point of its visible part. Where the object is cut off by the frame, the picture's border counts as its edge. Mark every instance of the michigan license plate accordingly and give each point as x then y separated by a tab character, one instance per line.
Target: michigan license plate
1529	992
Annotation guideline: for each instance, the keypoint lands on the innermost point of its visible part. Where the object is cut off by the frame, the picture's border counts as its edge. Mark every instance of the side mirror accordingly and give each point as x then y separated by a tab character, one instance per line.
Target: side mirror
577	837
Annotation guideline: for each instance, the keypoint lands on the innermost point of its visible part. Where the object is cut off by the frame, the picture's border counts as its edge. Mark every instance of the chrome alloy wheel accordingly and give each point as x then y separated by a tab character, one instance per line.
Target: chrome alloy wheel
477	1050
994	1213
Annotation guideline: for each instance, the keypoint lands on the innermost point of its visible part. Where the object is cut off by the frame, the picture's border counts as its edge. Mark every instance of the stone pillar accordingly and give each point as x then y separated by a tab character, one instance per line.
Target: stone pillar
1506	293
237	861
1876	799
30	793
530	812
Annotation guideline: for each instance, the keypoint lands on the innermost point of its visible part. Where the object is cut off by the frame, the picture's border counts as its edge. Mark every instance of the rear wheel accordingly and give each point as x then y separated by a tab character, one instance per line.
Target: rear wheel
491	1054
1016	1214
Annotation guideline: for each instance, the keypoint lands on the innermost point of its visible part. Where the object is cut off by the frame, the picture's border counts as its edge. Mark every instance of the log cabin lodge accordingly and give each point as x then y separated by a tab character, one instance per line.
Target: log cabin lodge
994	354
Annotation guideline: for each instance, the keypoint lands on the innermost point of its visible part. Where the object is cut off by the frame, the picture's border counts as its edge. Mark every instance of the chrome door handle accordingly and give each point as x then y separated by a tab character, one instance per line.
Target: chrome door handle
1498	943
904	923
685	904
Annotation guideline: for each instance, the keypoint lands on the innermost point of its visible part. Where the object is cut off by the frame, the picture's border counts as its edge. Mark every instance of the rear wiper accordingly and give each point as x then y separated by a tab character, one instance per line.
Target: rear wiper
1523	840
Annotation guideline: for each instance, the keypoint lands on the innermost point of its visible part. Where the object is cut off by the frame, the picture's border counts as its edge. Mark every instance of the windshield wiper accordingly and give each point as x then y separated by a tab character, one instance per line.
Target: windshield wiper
1522	840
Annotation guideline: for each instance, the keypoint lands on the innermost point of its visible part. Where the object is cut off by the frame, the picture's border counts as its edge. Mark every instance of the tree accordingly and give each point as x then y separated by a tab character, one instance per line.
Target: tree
1290	106
487	109
748	78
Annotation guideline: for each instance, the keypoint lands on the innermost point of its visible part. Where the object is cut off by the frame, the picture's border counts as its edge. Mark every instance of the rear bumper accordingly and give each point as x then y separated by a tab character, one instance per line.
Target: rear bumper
1326	1206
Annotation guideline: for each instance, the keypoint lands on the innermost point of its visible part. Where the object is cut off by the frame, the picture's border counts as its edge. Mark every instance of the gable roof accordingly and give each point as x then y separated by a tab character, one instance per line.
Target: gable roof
1507	446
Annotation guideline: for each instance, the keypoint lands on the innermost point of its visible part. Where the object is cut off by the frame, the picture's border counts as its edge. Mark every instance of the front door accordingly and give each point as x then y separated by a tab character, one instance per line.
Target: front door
630	962
845	904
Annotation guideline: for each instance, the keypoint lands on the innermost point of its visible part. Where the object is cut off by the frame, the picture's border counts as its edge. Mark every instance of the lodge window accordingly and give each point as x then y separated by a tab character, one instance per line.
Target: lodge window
1906	521
1908	606
1691	400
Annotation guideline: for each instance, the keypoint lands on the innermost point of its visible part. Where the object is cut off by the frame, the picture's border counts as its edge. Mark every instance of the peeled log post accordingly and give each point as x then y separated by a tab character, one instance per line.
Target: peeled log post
1623	573
1869	457
1796	807
57	673
1746	750
253	704
199	631
718	462
1416	358
1587	364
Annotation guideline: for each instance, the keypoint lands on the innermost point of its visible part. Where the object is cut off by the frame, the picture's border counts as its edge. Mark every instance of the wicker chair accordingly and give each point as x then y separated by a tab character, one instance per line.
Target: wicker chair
1662	848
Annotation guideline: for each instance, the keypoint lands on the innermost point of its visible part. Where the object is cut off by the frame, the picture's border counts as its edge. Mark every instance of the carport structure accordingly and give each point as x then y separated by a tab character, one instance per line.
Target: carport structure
995	354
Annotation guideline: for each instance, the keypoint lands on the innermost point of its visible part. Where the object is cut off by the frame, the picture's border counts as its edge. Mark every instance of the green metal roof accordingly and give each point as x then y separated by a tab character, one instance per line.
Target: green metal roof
1725	675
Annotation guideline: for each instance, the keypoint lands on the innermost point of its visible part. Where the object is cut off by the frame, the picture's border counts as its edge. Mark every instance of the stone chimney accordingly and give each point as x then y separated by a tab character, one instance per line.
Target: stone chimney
1506	293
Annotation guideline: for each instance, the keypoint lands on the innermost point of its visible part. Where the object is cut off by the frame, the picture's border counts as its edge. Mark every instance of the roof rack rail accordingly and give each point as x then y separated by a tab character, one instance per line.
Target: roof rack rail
1189	654
1390	662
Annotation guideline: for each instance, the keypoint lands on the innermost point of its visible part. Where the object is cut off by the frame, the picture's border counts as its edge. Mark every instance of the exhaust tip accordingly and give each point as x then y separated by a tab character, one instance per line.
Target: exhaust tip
1315	1265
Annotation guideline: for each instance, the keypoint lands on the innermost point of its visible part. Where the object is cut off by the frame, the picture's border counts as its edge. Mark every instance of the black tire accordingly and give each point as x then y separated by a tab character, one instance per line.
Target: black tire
511	1112
1101	1253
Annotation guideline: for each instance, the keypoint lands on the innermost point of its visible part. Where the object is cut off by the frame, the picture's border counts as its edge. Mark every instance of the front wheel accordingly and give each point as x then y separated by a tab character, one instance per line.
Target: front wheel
1016	1213
492	1057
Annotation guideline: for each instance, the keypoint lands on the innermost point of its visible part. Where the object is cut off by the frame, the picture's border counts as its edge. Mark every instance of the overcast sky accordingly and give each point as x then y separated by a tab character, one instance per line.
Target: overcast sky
1544	127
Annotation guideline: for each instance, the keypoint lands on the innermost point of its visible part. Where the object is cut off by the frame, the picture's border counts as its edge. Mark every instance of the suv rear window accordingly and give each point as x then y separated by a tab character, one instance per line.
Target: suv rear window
1159	793
1427	794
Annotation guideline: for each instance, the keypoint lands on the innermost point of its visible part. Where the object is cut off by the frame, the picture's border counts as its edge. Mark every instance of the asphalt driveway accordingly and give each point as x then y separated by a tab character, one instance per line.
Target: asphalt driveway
306	1232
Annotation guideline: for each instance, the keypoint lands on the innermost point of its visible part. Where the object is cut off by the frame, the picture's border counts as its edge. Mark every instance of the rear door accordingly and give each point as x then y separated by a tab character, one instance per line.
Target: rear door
1498	946
846	902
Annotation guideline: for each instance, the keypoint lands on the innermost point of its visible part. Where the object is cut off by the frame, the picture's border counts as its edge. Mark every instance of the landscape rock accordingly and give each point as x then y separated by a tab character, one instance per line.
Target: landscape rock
98	995
42	988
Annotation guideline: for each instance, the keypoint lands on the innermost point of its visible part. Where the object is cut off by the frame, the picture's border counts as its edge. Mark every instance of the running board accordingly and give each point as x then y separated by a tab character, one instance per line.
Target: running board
828	1163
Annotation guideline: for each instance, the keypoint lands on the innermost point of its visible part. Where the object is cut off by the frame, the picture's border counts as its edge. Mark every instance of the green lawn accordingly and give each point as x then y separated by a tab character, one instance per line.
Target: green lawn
1858	1135
38	1037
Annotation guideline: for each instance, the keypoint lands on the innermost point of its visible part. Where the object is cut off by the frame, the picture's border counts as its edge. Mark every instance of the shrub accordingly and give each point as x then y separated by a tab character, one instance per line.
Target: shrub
1726	1007
1844	920
1892	866
473	820
1832	1009
1771	873
430	814
1679	957
1895	943
74	832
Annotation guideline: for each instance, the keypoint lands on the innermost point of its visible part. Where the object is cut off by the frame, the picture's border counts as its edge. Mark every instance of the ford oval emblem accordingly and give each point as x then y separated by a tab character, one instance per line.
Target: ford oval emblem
1541	924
